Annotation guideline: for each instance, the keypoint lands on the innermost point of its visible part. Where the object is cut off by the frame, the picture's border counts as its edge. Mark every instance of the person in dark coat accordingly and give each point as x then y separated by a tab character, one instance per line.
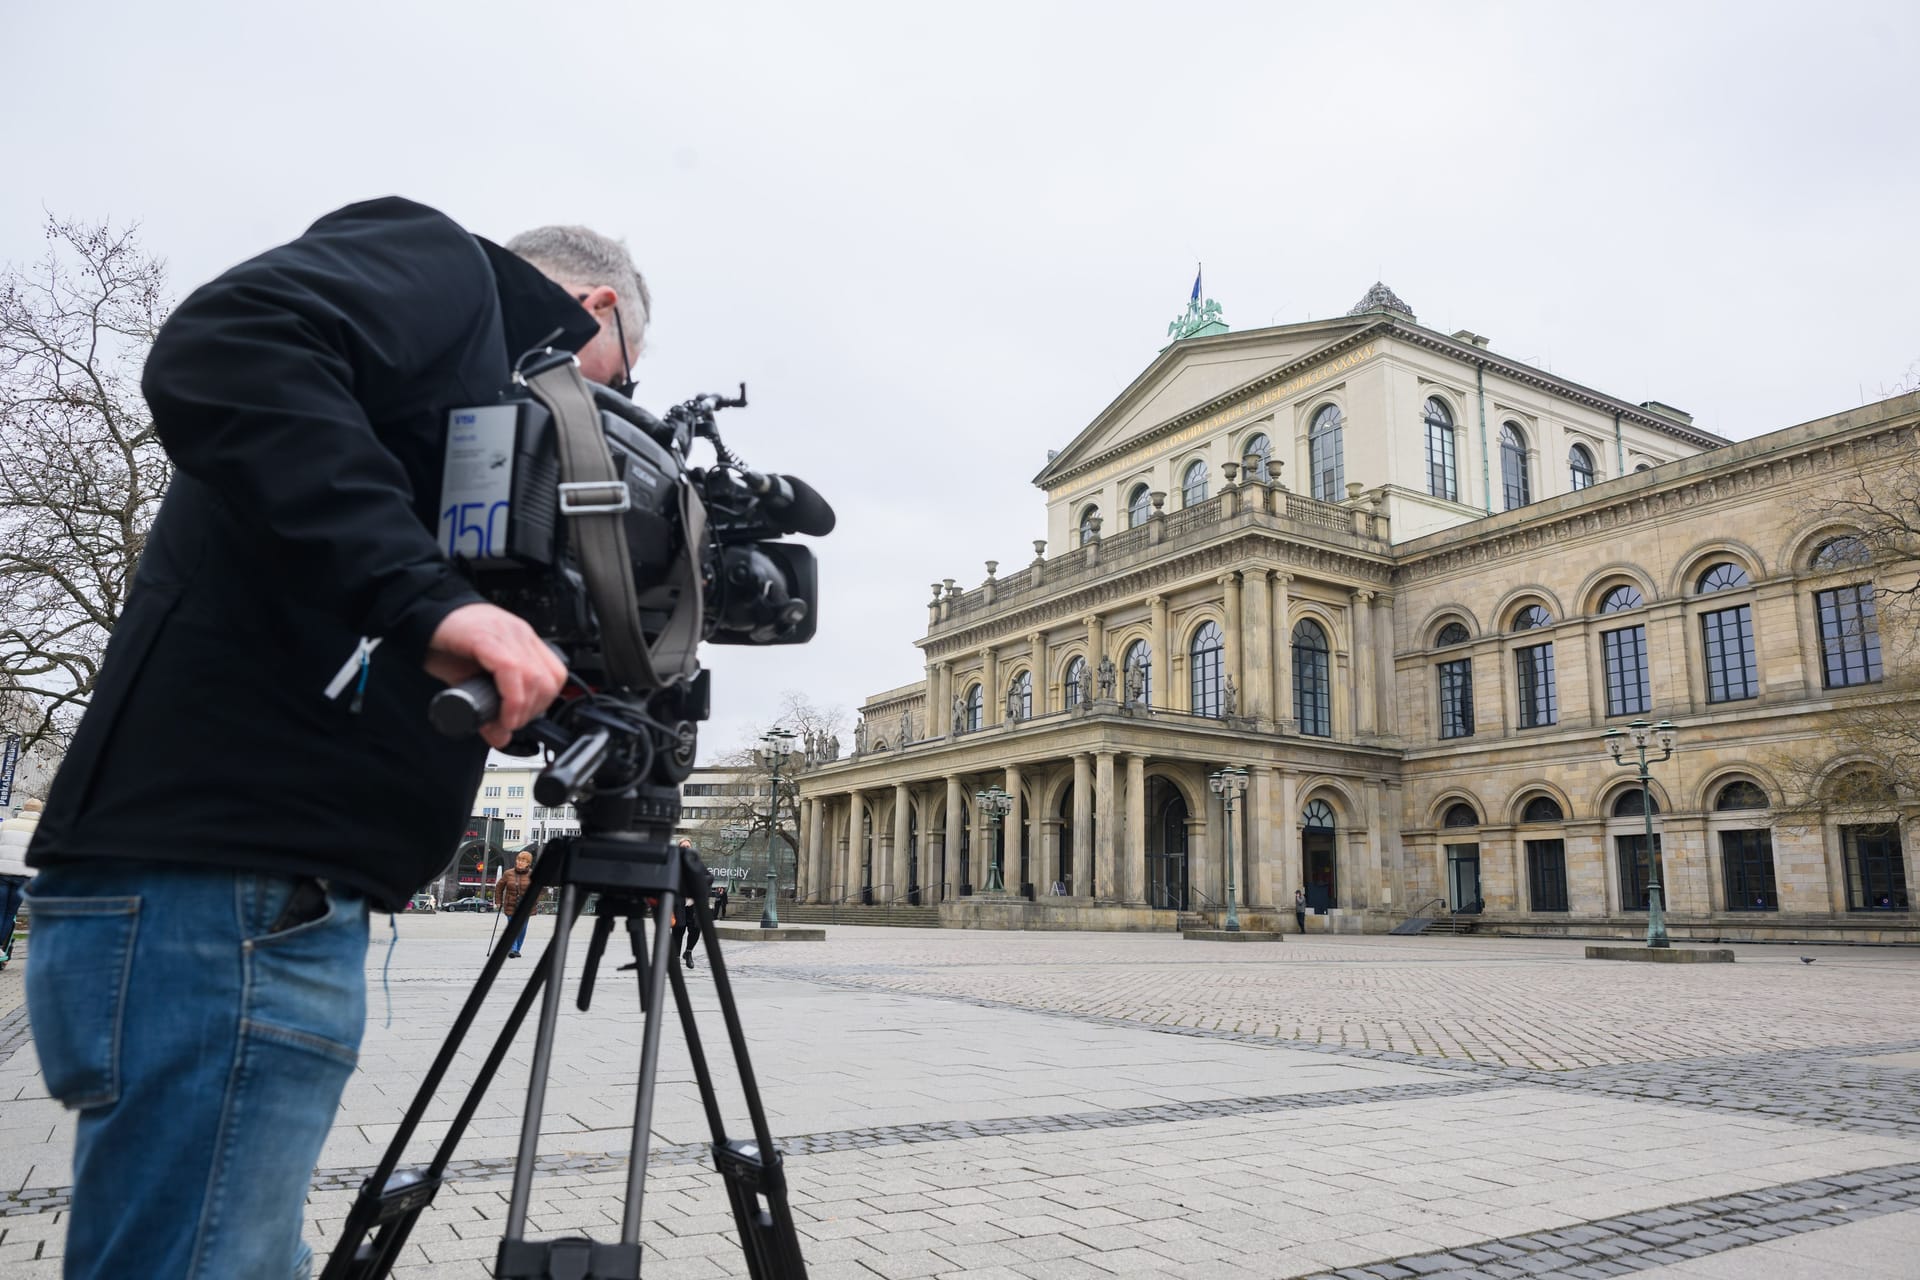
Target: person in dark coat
256	769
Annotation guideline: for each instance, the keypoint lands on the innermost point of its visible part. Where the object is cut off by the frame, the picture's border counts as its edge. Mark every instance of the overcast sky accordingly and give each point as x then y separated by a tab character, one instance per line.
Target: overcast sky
936	240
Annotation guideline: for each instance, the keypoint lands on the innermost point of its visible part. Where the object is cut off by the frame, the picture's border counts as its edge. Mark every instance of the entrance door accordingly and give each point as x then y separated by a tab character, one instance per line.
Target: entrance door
1063	875
913	859
1463	877
1167	849
1319	863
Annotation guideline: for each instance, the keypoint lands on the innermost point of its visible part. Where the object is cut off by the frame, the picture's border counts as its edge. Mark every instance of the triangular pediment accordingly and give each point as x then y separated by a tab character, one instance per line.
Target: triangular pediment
1196	375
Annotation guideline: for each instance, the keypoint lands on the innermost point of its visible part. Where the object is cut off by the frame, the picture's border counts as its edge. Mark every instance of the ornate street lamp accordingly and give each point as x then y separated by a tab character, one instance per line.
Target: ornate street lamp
1230	784
1664	735
995	804
777	745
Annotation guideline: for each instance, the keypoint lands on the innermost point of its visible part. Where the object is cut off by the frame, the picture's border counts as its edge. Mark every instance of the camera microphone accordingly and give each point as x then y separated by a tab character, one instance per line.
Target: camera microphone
795	505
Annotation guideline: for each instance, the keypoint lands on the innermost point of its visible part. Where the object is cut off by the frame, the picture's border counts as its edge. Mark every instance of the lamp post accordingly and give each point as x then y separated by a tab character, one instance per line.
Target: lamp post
1230	784
995	803
777	745
1639	733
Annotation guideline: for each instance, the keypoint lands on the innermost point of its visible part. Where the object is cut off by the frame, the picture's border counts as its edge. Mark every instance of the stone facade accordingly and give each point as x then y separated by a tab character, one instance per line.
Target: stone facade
1313	641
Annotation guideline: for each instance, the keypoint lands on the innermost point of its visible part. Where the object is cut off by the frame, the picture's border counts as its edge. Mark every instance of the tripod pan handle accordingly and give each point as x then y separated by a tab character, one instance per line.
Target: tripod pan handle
459	711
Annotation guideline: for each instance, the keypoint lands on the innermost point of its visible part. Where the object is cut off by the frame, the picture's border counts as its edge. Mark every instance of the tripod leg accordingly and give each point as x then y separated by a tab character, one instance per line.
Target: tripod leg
556	960
655	978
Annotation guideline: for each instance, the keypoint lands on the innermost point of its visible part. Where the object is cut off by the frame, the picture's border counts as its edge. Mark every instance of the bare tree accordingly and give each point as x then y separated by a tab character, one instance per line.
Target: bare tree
1868	758
735	823
81	470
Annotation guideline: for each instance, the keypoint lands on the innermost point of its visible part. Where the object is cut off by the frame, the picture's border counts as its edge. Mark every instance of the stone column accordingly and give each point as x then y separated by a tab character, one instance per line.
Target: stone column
981	844
1136	877
1037	660
956	814
856	843
1288	874
1047	868
1096	647
1383	678
1256	695
836	887
1162	652
933	869
1010	833
1104	821
1082	825
818	875
897	874
992	695
1230	664
1362	664
940	701
1261	845
1282	653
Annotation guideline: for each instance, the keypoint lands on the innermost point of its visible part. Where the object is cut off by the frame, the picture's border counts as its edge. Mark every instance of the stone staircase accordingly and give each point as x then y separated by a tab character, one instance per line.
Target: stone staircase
900	917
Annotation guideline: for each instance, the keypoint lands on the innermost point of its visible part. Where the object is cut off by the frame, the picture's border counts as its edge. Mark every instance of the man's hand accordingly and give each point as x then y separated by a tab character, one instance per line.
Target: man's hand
484	637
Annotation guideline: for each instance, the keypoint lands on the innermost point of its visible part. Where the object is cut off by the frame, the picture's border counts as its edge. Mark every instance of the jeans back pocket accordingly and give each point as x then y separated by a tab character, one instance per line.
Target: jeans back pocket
77	993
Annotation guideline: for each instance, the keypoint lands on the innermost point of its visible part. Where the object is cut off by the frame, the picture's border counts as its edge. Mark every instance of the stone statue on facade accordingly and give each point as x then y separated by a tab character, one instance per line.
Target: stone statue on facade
831	751
860	736
1229	700
1013	703
959	714
906	728
1107	677
1136	684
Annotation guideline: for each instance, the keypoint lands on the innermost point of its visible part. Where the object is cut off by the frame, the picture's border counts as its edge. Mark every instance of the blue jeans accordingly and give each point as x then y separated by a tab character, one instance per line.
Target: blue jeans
515	948
11	889
206	1054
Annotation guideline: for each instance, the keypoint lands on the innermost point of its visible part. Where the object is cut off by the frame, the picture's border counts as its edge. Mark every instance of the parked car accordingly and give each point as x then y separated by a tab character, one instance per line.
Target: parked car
469	904
421	902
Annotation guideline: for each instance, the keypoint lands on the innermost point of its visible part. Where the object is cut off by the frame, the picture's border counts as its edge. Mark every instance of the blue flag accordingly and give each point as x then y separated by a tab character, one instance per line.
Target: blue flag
1195	299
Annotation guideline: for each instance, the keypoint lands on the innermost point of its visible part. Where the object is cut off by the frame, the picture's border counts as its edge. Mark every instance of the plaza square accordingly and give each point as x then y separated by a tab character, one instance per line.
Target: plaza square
1030	1105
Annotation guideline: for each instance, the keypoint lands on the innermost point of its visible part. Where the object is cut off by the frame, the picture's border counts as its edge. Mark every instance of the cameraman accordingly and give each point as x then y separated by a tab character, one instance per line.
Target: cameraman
256	770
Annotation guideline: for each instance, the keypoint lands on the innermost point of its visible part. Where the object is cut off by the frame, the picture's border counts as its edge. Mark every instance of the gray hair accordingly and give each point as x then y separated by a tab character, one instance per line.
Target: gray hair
583	256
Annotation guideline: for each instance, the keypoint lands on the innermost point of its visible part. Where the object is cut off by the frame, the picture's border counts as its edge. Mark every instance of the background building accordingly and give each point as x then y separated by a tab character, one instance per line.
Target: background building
1406	583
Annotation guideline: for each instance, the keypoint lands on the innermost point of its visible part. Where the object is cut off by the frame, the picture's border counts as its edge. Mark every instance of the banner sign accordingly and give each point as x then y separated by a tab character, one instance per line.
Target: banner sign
9	757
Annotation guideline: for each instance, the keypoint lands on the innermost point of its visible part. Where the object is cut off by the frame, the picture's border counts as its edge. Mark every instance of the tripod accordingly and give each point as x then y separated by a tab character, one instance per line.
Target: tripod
639	881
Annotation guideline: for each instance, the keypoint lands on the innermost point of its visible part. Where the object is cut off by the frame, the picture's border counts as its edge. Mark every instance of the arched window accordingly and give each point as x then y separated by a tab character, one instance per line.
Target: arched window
1532	616
1513	466
1205	668
1137	666
1836	553
1620	599
1312	686
1089	525
1629	803
1326	459
1741	794
1642	467
1442	476
1077	690
1724	576
1020	697
1317	816
1193	484
973	714
1542	809
1258	446
1580	467
1139	507
1451	634
1460	815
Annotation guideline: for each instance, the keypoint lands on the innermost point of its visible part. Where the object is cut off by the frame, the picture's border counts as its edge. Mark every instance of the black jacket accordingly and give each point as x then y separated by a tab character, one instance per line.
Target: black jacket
303	398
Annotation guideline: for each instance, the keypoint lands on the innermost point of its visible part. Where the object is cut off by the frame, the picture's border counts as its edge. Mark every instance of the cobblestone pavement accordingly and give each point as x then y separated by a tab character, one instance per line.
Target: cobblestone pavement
1029	1106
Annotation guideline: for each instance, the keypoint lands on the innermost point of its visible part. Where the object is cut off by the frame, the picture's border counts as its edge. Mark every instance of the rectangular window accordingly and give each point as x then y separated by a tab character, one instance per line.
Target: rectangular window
1625	654
1746	868
1547	875
1849	636
1727	635
513	833
516	793
1876	868
1456	698
490	813
1539	695
492	793
1634	872
1441	480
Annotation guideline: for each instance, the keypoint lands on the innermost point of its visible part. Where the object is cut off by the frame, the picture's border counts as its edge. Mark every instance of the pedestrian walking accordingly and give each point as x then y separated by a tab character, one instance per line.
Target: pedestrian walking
720	902
16	833
509	889
1300	909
